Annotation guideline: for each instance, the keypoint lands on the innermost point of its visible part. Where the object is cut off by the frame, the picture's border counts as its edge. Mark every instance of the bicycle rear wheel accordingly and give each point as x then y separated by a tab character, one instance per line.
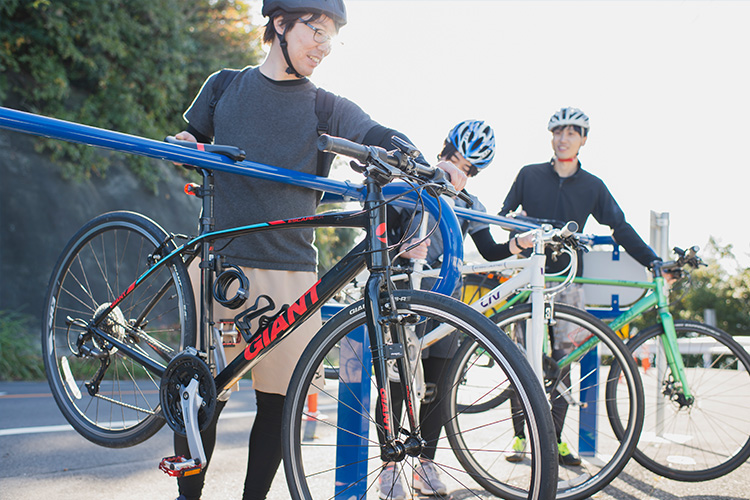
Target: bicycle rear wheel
480	409
338	455
710	436
106	396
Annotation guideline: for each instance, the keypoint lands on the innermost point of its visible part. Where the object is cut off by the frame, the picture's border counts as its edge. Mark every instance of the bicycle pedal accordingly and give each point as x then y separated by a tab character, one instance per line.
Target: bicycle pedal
179	466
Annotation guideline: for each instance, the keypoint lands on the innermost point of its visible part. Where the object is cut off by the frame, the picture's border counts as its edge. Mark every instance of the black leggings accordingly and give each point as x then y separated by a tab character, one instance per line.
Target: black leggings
264	454
559	404
430	417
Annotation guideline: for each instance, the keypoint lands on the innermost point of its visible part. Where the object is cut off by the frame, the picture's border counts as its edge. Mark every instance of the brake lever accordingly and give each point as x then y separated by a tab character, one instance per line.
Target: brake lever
467	199
441	178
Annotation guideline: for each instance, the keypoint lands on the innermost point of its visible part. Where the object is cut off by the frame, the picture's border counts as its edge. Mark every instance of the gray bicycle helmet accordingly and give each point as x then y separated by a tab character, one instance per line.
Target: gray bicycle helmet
569	116
334	9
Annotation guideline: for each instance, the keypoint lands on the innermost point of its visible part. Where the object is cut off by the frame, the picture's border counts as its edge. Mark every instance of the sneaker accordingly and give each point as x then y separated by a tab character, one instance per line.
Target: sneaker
566	456
427	479
519	445
389	484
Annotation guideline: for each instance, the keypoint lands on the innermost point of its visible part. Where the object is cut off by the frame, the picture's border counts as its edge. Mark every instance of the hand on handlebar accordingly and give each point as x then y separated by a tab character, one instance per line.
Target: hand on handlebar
457	177
185	136
670	277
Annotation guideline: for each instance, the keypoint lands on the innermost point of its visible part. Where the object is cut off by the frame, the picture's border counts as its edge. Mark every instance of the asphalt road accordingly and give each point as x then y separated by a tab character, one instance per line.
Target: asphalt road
42	457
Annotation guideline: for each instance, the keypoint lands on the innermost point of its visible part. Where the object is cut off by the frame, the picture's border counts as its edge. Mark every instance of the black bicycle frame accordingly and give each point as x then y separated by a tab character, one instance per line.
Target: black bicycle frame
371	253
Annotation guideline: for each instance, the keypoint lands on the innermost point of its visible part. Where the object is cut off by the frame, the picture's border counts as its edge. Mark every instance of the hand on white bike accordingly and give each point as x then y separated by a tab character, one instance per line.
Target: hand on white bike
418	252
524	241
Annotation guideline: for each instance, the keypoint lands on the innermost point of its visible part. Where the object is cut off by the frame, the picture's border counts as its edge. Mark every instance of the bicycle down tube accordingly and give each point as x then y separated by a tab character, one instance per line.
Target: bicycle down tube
656	297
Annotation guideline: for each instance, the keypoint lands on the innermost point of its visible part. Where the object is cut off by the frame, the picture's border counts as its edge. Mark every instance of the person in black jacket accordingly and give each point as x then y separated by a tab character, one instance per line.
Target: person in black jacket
562	190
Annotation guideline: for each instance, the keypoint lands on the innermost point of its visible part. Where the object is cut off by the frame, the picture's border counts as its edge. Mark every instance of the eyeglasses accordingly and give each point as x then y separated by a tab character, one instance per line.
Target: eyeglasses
320	36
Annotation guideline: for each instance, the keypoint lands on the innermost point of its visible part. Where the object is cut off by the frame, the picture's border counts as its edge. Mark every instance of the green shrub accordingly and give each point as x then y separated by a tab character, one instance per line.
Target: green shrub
20	349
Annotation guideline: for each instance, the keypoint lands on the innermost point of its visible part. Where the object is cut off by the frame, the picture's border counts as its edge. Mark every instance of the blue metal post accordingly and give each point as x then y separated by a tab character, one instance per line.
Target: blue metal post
353	428
587	437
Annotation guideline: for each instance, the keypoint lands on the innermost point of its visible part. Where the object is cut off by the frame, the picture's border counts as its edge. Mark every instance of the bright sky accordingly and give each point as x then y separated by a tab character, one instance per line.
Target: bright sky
666	85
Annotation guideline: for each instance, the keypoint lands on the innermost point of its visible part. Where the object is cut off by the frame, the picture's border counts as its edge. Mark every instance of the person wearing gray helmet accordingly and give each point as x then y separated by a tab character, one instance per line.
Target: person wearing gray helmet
561	190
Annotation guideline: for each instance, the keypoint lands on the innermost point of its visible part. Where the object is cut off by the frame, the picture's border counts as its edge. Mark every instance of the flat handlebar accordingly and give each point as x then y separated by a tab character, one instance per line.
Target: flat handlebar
400	160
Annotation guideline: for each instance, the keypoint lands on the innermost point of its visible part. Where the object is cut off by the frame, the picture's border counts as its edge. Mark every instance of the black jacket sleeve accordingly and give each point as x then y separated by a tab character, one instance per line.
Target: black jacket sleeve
381	136
609	213
514	198
488	249
200	137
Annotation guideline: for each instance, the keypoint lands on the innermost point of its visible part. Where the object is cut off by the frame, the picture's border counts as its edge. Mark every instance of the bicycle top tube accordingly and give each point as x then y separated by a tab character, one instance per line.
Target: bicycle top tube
53	128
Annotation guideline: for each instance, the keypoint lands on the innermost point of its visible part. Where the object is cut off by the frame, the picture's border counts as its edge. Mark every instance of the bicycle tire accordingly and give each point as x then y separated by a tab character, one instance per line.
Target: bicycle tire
158	318
710	437
605	455
311	472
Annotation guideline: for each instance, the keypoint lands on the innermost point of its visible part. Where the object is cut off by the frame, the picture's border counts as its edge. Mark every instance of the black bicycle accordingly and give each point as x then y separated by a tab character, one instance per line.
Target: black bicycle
126	352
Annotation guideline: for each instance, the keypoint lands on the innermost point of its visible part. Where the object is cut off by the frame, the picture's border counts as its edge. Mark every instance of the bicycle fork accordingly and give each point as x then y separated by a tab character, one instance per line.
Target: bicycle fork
379	317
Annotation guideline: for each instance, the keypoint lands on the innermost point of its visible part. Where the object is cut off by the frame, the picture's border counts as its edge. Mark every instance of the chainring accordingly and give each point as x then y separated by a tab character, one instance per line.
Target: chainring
180	371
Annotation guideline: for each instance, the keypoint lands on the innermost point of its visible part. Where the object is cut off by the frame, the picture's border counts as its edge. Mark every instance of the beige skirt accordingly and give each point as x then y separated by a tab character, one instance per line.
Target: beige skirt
273	372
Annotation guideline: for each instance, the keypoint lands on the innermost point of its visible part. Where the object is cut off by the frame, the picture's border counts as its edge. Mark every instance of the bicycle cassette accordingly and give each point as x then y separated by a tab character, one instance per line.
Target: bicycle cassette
182	369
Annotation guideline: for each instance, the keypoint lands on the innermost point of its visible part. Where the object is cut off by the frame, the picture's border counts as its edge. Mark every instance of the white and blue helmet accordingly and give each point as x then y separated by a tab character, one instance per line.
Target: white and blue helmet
569	116
475	140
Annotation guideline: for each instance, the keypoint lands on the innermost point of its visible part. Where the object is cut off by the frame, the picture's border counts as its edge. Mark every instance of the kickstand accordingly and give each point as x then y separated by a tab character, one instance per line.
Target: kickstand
179	466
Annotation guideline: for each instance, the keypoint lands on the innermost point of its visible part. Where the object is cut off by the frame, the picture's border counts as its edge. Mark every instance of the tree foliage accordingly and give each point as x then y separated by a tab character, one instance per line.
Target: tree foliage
126	65
723	285
333	243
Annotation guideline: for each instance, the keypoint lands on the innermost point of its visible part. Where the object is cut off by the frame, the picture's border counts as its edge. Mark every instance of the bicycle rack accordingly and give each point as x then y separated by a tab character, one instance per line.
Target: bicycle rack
53	128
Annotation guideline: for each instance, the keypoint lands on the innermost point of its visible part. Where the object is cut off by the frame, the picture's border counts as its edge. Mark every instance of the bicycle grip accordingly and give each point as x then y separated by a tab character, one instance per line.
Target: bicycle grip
344	147
569	229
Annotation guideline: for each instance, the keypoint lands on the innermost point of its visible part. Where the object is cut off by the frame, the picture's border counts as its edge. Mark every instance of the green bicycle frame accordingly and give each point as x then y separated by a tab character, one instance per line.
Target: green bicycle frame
656	296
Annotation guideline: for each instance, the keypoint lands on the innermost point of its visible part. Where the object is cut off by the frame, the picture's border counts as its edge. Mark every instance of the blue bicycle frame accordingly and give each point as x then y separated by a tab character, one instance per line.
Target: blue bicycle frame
53	128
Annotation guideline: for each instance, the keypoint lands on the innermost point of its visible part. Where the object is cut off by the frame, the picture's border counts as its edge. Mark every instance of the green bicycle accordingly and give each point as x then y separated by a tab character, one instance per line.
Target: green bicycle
696	381
697	387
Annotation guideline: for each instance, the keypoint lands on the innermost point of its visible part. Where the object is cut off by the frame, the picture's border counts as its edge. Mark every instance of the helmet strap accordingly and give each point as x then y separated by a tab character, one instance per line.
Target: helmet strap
283	43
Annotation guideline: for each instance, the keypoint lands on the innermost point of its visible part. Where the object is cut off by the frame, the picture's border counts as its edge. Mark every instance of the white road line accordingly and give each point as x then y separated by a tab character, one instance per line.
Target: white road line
226	415
35	430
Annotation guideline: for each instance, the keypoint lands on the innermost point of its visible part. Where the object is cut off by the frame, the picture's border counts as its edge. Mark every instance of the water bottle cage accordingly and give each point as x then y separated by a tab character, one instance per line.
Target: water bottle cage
243	321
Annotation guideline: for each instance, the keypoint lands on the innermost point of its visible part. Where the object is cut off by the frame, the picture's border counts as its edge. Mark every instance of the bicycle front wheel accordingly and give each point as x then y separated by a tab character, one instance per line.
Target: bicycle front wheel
336	452
105	395
576	393
709	436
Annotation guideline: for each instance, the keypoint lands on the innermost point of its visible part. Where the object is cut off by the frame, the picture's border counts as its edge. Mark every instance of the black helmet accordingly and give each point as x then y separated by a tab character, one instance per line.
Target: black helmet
332	8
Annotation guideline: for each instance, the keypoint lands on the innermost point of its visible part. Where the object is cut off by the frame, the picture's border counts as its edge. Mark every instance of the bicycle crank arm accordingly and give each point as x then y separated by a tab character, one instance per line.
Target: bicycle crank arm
565	394
179	466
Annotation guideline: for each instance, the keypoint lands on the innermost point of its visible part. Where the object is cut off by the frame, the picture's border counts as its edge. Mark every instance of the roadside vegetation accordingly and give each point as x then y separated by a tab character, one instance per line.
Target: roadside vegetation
20	348
133	67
